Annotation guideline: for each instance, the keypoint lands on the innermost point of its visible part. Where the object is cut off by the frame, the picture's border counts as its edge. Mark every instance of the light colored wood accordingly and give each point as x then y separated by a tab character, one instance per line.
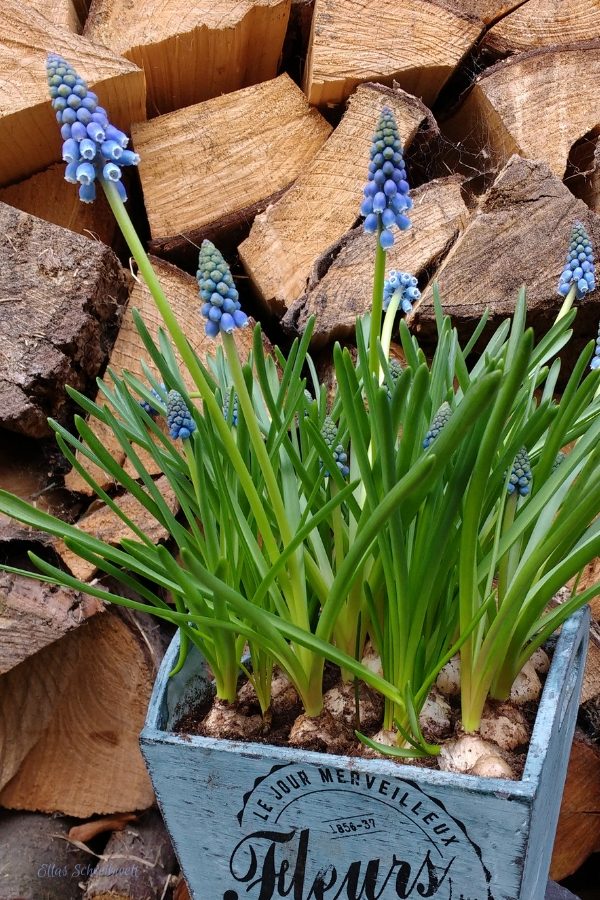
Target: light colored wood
591	676
60	12
578	832
182	292
352	42
105	525
29	134
48	196
234	167
325	201
191	52
90	830
346	290
34	614
517	235
486	10
589	577
502	113
541	23
70	717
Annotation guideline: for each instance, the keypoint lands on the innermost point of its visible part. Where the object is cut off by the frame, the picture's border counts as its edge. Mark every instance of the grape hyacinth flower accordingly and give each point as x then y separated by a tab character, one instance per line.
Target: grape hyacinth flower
439	420
520	477
234	411
221	307
560	456
329	434
406	284
179	418
147	407
92	148
596	357
386	193
395	373
579	268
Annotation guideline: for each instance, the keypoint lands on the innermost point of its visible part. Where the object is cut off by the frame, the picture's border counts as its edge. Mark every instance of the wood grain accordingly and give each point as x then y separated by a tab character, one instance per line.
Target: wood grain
542	23
234	168
353	42
60	12
324	202
30	138
228	45
345	291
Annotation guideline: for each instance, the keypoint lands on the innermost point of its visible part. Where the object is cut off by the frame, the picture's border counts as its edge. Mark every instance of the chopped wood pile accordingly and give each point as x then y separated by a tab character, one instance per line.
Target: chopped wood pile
253	120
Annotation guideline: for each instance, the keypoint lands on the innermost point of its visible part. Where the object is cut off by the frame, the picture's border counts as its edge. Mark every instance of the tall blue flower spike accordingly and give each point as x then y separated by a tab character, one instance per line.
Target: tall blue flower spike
234	411
520	477
179	418
596	357
386	193
406	284
395	373
147	407
92	147
579	268
220	304
329	434
439	420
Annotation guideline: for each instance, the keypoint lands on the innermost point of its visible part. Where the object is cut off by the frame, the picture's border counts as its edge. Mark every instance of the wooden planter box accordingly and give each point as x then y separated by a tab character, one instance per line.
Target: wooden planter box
267	822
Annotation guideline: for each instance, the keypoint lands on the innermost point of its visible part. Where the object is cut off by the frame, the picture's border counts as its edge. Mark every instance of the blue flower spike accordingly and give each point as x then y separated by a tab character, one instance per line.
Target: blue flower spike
147	407
179	418
386	200
439	420
406	284
329	434
579	267
395	373
234	411
560	456
220	300
520	477
92	148
596	357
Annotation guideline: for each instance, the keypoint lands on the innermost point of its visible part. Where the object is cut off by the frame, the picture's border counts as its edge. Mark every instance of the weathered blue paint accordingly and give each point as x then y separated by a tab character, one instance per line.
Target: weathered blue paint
269	822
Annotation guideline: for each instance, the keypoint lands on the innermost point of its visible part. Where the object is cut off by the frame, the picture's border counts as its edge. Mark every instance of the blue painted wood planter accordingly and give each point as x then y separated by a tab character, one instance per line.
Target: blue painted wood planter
266	822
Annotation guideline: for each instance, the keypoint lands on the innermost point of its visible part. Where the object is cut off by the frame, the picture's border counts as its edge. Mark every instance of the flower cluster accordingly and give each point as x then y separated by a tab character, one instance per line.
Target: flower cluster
386	193
395	373
179	418
439	420
147	407
520	476
406	284
559	458
596	357
329	433
92	148
234	411
579	268
221	307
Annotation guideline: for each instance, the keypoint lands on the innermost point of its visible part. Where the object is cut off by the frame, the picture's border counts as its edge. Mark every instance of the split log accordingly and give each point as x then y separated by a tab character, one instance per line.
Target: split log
70	717
192	52
35	859
487	10
61	297
578	832
517	235
29	136
501	114
137	863
105	525
342	289
34	614
181	891
351	43
181	290
48	196
60	12
542	23
237	171
297	36
324	202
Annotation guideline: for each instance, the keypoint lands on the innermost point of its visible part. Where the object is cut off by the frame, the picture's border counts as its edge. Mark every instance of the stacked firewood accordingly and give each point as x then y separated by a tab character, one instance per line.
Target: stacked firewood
253	120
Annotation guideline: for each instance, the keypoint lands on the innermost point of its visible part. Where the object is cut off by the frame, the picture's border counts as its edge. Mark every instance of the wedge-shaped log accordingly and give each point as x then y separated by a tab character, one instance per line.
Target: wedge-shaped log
325	201
182	292
47	196
60	12
419	47
541	23
345	291
29	135
537	104
233	169
61	297
70	716
519	234
191	52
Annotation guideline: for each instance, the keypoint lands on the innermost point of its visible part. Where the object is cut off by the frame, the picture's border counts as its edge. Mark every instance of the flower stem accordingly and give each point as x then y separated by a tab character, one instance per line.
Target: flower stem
567	304
377	307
